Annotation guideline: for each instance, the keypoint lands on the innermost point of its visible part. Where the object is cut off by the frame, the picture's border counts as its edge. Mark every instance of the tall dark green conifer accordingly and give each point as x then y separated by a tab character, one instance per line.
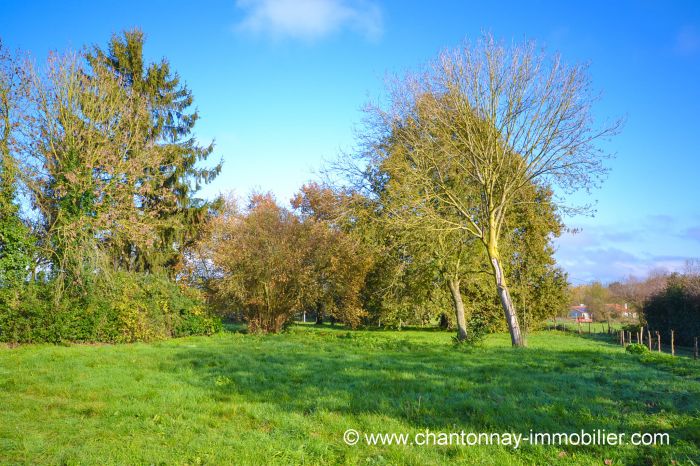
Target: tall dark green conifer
173	122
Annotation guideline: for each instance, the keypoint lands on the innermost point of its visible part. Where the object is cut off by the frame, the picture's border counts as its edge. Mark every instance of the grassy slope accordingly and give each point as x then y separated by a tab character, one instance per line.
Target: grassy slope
236	398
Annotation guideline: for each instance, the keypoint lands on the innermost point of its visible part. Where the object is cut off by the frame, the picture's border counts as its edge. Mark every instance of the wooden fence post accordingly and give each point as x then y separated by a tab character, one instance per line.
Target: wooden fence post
673	349
649	338
622	338
695	353
579	327
589	328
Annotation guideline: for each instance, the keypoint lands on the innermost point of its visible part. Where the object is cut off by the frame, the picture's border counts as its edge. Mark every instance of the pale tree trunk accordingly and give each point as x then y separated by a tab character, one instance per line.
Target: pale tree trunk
516	336
453	284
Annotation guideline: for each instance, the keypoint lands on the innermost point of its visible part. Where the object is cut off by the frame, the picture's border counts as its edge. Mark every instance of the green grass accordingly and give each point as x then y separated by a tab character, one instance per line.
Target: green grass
244	399
595	327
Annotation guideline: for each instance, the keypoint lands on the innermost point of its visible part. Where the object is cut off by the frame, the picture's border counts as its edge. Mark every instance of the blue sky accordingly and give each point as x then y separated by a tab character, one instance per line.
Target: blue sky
280	84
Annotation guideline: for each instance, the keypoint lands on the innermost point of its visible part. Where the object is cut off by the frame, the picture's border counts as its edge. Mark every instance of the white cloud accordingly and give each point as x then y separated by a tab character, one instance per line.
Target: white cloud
309	19
635	246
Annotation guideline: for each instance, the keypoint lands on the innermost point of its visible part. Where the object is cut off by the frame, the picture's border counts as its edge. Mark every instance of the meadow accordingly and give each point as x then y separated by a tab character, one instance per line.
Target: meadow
236	398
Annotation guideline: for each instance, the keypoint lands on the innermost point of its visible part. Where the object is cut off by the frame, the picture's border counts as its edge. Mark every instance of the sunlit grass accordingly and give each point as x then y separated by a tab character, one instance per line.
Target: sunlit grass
241	399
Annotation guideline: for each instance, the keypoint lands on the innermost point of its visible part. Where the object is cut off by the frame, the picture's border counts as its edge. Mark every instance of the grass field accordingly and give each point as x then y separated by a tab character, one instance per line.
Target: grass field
594	327
243	399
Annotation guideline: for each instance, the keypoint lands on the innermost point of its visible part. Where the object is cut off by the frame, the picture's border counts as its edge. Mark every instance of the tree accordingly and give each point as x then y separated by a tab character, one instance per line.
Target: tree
273	264
338	260
596	297
691	268
452	257
259	260
456	261
78	141
479	126
87	163
16	242
442	258
169	102
427	265
676	308
636	292
540	288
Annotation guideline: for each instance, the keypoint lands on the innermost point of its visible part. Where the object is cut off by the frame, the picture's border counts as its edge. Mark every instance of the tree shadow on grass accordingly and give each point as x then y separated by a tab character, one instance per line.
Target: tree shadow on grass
435	386
312	326
603	337
234	326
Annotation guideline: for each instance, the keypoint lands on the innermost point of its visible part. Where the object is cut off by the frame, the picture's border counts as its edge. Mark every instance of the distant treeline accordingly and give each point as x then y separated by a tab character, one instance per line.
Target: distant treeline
661	301
331	256
444	213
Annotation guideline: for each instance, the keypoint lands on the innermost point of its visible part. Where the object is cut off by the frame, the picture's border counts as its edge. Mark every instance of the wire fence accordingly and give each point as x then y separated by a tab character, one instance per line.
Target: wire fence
626	335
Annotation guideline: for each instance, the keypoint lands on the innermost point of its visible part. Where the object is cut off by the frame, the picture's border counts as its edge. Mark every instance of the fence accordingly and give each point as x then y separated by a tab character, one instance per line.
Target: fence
642	336
653	340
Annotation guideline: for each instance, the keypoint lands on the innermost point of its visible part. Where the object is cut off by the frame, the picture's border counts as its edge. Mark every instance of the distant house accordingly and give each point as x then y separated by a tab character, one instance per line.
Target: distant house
580	313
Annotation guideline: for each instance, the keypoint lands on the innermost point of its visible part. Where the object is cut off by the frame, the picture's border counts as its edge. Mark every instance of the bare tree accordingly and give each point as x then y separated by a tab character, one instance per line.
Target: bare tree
473	130
692	267
637	292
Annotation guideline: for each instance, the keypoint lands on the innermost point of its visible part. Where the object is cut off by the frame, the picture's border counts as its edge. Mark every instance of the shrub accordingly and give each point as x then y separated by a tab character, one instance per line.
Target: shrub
677	308
128	307
636	348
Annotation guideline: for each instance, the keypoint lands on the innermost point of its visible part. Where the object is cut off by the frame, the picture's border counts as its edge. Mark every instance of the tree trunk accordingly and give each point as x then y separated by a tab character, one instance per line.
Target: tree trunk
453	284
516	336
319	313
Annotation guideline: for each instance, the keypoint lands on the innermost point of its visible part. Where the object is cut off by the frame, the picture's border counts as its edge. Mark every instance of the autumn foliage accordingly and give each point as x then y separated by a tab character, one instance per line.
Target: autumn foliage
105	165
271	263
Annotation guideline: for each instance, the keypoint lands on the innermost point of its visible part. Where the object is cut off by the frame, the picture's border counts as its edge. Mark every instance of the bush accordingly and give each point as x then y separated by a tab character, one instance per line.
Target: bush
677	308
636	348
128	307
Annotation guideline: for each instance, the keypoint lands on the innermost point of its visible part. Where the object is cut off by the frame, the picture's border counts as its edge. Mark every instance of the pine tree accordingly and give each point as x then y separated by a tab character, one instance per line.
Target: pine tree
170	103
